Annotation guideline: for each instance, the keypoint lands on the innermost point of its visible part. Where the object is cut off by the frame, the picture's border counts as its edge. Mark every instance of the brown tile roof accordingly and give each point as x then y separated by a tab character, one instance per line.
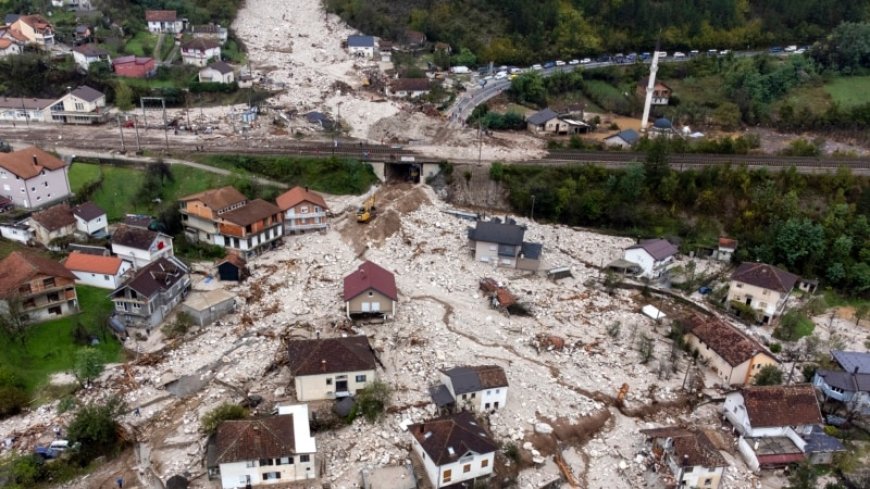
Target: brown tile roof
410	84
298	195
781	405
765	276
90	50
160	15
5	43
55	217
217	198
84	262
727	341
200	44
691	448
88	211
330	355
134	237
35	21
158	275
19	268
370	276
29	162
235	259
727	243
243	440
449	438
138	220
26	103
254	211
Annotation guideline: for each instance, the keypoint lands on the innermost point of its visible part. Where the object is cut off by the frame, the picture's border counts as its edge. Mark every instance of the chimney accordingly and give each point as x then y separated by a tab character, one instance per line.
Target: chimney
685	460
317	334
35	161
856	370
306	188
323	365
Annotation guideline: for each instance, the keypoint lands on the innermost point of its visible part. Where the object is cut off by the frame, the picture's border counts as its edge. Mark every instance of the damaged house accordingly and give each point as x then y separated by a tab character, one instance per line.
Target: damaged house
686	458
453	449
147	298
501	243
482	388
331	368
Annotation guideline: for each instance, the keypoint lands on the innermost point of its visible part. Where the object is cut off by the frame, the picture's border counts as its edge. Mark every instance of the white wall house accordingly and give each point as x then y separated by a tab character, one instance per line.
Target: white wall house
453	449
851	384
30	177
17	231
731	354
199	52
91	220
331	368
362	46
217	72
86	54
263	452
105	272
140	246
653	255
482	388
163	21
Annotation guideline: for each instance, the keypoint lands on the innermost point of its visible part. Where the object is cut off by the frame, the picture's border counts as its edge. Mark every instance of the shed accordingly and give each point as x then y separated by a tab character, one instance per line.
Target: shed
233	268
207	307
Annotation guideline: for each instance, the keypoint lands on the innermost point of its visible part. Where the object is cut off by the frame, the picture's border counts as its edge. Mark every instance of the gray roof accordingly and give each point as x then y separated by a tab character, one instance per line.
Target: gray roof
221	67
542	117
360	41
473	379
819	441
662	123
532	251
87	93
441	395
630	136
848	360
498	232
659	249
846	381
11	18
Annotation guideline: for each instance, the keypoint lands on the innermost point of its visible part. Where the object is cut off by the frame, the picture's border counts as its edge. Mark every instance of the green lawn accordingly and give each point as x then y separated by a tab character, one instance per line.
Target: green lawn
849	91
49	346
142	44
117	194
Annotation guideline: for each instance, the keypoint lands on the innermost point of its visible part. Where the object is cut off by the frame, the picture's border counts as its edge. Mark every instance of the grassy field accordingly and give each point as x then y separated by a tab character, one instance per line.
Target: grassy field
142	44
849	91
117	195
49	346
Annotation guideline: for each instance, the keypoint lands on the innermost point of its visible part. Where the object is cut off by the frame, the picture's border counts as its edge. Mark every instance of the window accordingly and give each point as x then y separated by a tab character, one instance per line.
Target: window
270	476
484	463
285	461
707	482
329	381
33	189
80	106
304	458
105	277
49	282
764	292
266	461
250	463
498	391
3	173
45	184
360	378
448	474
24	289
473	395
488	392
738	285
466	468
486	406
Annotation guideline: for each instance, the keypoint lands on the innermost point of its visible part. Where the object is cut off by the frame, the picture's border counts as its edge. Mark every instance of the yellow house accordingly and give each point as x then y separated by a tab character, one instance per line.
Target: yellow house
735	357
331	368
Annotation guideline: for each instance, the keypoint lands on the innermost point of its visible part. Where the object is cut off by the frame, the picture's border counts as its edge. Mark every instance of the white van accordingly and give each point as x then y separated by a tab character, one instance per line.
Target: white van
460	70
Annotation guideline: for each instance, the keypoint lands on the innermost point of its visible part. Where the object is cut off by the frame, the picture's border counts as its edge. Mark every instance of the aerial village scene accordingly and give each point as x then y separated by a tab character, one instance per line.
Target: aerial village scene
426	244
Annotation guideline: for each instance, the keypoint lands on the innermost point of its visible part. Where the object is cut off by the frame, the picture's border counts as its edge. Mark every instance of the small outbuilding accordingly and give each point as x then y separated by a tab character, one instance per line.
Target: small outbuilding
233	268
206	307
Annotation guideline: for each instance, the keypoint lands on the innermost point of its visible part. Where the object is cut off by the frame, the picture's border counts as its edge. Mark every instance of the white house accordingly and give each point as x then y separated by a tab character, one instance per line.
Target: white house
9	47
408	87
502	244
140	246
623	139
199	51
765	288
726	249
362	46
690	456
163	21
17	231
217	72
30	177
86	54
453	449
771	421
482	388
84	105
653	256
262	452
91	220
105	272
152	293
331	368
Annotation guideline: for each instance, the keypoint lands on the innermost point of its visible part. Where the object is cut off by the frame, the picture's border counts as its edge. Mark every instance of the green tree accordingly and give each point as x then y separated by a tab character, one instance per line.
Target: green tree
225	412
123	96
465	58
88	365
803	476
768	375
13	396
95	429
861	311
371	401
13	321
529	88
727	115
846	49
793	326
656	165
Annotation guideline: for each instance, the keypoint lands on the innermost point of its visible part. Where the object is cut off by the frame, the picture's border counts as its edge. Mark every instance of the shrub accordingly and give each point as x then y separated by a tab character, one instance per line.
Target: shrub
95	429
225	412
511	451
645	348
613	329
775	347
793	326
371	401
768	375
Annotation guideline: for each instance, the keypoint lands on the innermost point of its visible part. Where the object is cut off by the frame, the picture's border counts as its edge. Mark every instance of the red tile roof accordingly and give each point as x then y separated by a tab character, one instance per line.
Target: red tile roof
19	268
330	355
29	162
765	276
217	198
727	243
83	262
297	195
370	276
243	440
727	341
160	15
781	405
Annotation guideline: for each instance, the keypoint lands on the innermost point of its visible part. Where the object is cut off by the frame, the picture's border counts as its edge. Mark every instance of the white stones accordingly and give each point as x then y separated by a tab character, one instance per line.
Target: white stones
543	428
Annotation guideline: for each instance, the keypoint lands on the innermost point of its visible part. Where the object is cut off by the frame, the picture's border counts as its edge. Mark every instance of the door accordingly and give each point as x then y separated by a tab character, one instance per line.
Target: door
341	385
366	306
376	306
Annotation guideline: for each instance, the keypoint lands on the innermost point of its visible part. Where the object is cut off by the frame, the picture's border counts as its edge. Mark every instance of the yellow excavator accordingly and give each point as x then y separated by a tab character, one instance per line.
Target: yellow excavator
368	211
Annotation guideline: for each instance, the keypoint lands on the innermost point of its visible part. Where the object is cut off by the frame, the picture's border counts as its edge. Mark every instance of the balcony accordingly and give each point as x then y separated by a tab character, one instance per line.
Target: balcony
306	215
304	227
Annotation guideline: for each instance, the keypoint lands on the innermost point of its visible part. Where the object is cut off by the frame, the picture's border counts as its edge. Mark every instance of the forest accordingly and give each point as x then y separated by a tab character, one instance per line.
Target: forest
523	32
815	226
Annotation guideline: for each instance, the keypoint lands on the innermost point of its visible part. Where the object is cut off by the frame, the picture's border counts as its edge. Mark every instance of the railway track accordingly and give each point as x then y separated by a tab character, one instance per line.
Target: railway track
615	158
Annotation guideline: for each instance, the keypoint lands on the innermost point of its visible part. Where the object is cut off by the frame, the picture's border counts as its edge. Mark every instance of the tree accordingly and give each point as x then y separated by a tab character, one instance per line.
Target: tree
861	311
465	58
95	429
529	88
793	326
88	365
656	165
727	115
13	396
123	96
371	401
803	476
768	375
12	320
225	412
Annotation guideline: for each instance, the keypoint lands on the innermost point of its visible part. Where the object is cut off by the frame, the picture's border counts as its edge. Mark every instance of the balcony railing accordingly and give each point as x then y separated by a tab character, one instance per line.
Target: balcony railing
302	227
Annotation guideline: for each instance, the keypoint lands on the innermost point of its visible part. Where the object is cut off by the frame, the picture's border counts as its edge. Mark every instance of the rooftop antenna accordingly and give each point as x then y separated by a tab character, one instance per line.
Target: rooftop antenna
650	87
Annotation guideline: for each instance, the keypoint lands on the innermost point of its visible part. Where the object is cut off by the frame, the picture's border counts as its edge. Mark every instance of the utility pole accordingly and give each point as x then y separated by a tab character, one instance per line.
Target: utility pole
136	126
533	209
121	131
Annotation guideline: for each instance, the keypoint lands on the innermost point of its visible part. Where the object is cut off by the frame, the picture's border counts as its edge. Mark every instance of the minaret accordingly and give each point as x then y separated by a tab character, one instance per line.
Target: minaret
650	87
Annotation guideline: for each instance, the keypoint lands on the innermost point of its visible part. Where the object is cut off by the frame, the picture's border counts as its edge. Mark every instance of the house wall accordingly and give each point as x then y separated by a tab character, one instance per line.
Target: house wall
528	264
13	49
90	227
41	301
140	258
72	103
235	475
436	473
857	401
702	477
488	253
652	268
207	316
373	298
209	75
150	311
315	387
252	243
617	142
101	280
304	216
45	236
748	454
731	375
366	52
200	58
135	70
171	27
47	187
768	302
432	472
15	233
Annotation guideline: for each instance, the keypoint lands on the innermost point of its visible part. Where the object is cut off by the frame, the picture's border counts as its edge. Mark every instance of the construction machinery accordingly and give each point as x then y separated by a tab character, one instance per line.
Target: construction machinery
368	211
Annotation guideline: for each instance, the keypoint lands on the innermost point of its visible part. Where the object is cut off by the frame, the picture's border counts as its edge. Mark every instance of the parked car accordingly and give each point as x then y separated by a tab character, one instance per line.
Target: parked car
694	53
645	55
705	290
604	58
800	50
775	49
46	453
549	64
537	67
574	62
585	61
725	52
501	75
514	70
712	52
663	54
791	48
560	63
679	54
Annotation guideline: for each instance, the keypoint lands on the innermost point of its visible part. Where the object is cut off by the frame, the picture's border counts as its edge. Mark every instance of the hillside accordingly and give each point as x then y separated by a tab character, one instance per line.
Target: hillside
518	31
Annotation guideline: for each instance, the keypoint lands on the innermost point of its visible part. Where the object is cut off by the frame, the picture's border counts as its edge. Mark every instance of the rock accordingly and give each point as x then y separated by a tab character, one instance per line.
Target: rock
543	428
